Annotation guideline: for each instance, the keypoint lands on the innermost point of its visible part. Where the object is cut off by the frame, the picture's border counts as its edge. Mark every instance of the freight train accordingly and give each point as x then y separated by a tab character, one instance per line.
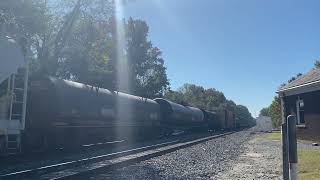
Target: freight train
62	113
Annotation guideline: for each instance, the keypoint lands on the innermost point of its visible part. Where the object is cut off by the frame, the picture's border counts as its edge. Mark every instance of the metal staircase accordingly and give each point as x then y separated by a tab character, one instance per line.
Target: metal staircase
13	144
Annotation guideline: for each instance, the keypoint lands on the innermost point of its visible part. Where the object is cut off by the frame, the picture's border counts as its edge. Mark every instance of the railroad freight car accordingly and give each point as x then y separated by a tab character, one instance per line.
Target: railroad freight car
226	119
64	113
175	115
230	119
212	120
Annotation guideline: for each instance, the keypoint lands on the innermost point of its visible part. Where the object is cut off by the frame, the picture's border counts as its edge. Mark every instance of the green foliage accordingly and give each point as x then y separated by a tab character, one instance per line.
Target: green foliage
291	79
77	40
148	73
264	112
294	77
175	96
243	115
208	99
190	94
20	18
85	55
317	64
273	111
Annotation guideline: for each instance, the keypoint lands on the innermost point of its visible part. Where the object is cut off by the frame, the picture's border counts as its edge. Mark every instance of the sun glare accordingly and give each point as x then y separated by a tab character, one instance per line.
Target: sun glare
124	107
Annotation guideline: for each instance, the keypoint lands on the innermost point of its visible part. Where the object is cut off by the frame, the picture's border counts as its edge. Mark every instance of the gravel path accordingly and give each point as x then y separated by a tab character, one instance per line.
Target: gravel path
242	155
261	160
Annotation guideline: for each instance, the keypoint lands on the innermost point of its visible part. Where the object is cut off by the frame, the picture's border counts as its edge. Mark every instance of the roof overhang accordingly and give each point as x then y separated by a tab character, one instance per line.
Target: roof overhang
300	89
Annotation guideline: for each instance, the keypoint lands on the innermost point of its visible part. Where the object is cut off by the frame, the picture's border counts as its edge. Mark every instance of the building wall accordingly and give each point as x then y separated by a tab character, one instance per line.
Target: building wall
311	113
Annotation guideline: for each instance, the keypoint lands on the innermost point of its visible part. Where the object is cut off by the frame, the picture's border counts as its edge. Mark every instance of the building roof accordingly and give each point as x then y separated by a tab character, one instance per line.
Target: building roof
311	78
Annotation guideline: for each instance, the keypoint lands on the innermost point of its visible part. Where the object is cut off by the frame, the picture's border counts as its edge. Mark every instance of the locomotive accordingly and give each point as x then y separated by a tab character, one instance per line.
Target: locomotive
62	113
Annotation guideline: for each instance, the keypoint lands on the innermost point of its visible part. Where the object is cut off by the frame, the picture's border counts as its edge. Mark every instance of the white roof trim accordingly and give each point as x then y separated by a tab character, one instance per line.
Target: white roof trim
303	88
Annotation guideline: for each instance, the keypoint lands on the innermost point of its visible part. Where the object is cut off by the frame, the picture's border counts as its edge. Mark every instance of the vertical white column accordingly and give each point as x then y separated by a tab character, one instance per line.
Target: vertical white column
25	94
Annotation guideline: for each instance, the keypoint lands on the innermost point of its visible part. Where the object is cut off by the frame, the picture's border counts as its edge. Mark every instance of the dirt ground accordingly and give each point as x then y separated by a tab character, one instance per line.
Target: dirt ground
260	160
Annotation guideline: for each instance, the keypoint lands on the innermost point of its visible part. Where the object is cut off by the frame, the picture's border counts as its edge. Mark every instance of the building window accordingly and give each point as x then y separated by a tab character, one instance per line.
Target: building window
300	111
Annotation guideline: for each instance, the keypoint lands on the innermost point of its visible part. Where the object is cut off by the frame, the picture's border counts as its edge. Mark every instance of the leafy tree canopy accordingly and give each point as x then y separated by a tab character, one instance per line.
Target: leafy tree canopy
243	115
190	94
208	99
317	64
264	112
78	40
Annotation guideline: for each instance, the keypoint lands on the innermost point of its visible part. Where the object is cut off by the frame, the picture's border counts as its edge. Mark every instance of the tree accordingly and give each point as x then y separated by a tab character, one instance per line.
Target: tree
85	56
22	21
317	64
294	77
275	111
209	99
19	18
264	112
290	80
243	115
175	96
147	71
77	40
65	30
230	105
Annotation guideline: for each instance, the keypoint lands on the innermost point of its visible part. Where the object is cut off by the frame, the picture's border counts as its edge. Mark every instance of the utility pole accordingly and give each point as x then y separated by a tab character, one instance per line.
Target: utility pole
284	133
292	141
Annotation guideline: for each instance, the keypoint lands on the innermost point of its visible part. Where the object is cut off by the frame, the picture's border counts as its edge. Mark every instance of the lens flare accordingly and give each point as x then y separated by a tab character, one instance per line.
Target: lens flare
124	107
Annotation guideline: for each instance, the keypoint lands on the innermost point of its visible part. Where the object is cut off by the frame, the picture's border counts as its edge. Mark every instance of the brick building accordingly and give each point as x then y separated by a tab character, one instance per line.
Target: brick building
302	98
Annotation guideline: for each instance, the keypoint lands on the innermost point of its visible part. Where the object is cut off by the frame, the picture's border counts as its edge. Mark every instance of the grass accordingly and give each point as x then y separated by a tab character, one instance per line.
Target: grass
274	136
308	160
309	164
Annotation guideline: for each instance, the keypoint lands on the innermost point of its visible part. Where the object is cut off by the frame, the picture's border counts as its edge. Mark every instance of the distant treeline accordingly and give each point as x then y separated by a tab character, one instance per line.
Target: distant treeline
209	99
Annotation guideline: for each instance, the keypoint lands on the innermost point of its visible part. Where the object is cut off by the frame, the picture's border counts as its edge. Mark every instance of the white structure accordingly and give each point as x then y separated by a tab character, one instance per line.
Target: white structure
11	57
13	95
264	124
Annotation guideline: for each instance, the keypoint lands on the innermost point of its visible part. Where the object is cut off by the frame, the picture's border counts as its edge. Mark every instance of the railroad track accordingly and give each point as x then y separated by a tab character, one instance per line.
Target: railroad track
80	169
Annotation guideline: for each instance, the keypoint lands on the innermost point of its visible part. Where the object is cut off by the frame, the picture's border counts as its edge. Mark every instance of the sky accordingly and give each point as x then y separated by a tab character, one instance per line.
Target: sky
244	48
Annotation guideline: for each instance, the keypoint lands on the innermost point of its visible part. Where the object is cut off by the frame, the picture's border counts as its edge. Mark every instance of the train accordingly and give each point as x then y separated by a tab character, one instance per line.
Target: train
68	114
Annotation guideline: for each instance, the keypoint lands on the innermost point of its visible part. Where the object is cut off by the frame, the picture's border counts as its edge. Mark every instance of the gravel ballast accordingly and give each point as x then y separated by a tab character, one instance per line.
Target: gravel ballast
242	155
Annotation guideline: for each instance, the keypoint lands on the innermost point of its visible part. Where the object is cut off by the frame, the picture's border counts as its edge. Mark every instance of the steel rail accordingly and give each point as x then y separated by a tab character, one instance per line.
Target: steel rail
51	168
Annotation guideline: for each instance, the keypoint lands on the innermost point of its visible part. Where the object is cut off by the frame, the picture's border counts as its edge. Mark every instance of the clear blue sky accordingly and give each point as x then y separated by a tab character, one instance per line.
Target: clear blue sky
244	48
